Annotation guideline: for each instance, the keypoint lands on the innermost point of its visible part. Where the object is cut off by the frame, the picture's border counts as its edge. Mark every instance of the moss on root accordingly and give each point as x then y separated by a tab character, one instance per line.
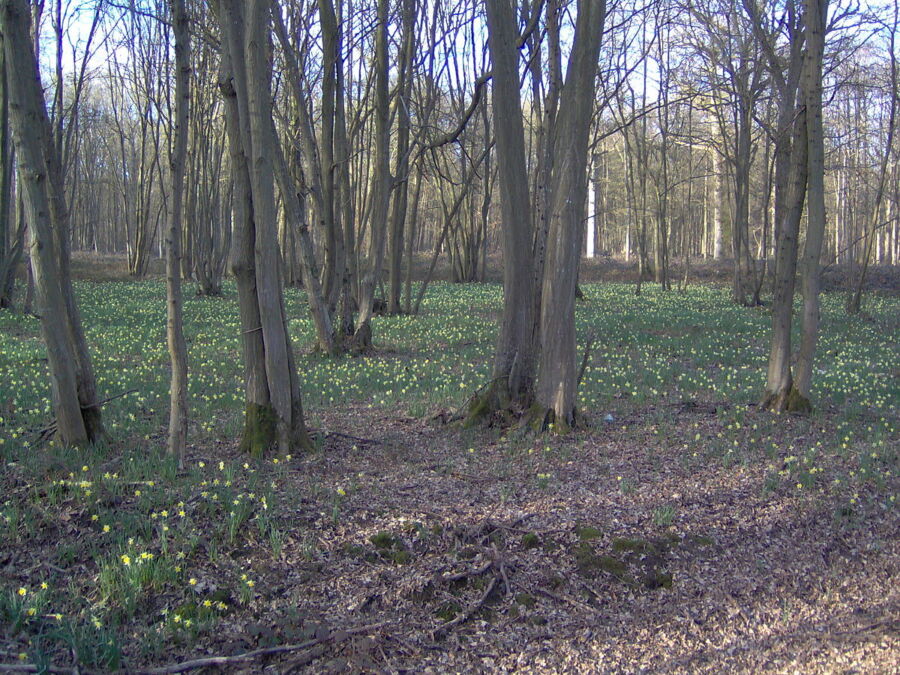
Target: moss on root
788	401
259	430
798	403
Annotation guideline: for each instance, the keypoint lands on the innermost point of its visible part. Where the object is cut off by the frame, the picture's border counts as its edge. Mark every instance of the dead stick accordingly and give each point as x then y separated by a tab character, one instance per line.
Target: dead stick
246	656
30	668
469	573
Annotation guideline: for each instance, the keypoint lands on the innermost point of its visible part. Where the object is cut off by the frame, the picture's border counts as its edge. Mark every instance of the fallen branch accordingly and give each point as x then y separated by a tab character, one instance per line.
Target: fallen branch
31	668
184	666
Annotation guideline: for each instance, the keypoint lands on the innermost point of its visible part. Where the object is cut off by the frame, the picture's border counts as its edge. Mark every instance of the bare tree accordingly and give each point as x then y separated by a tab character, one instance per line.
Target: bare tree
77	409
274	413
178	411
557	374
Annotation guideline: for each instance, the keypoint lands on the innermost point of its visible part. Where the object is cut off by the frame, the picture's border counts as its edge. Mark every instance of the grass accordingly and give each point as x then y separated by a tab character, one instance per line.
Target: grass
120	538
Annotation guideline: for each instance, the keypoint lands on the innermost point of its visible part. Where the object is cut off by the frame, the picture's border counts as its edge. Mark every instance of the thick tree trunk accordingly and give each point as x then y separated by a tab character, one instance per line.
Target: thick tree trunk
780	393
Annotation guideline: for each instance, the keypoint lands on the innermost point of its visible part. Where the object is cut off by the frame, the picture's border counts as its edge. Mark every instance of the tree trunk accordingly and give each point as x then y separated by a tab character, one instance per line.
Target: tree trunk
815	18
72	383
401	190
178	408
780	393
557	378
274	414
362	339
513	374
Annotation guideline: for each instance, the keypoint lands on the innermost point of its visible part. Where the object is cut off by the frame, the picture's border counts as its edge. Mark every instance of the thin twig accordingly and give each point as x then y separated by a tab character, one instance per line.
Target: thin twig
469	573
587	356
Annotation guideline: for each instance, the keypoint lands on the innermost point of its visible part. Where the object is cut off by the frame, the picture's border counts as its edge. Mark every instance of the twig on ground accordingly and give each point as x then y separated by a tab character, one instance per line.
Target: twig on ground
184	666
468	573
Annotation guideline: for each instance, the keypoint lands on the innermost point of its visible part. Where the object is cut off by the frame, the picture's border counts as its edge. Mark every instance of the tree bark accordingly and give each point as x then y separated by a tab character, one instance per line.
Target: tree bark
274	413
513	374
557	374
72	382
815	22
178	404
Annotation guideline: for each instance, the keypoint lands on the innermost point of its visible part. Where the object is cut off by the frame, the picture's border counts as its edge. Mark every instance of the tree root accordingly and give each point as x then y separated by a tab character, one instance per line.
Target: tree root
785	400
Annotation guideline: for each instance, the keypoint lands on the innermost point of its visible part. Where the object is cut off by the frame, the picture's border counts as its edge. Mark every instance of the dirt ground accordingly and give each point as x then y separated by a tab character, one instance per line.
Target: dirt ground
614	552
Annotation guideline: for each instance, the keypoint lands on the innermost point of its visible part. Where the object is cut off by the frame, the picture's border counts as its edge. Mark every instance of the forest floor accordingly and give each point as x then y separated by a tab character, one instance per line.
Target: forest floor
682	531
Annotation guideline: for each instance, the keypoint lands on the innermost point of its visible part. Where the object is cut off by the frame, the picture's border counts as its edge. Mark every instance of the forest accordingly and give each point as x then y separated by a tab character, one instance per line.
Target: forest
464	336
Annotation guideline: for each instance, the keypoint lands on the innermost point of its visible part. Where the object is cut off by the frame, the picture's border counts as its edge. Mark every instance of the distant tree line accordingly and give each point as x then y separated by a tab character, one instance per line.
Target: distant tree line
329	143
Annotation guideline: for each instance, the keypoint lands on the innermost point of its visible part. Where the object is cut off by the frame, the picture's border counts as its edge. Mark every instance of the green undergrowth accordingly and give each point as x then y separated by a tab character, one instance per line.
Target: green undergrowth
123	541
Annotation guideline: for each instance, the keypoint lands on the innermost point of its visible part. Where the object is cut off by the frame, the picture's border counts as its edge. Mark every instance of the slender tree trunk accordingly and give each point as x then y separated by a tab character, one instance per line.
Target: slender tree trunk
854	301
178	409
401	190
274	414
381	184
815	17
557	378
73	386
513	375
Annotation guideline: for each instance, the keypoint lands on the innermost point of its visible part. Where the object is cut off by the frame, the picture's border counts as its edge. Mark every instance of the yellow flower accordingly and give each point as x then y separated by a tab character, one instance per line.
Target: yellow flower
192	581
207	603
126	560
106	528
22	591
45	585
